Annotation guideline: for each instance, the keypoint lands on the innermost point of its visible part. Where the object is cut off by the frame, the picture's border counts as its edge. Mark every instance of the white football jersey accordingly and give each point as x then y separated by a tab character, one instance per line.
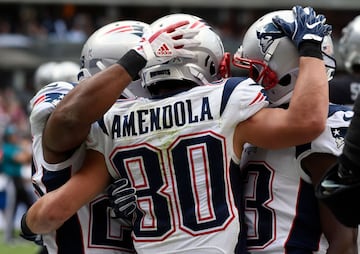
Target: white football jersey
91	230
281	209
177	152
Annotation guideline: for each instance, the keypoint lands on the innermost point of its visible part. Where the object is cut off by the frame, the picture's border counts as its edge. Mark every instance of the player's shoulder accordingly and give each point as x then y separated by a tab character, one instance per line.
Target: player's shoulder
244	90
51	92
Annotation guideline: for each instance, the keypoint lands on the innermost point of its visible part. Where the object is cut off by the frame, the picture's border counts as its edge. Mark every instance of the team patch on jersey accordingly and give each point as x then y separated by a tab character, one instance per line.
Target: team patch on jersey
53	98
339	134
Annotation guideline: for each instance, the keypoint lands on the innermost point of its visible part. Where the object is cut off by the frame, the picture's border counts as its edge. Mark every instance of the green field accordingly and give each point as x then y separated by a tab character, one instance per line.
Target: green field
19	247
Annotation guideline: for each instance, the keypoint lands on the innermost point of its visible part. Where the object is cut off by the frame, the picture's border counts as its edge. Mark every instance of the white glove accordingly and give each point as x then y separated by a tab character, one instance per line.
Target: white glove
162	45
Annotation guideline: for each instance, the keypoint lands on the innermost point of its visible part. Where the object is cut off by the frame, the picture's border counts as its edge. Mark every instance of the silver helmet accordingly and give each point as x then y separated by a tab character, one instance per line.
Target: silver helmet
210	63
272	59
349	46
50	72
107	45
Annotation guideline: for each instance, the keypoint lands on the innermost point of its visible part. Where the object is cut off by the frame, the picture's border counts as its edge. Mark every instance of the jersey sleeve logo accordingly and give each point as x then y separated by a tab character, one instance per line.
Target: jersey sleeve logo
339	134
53	98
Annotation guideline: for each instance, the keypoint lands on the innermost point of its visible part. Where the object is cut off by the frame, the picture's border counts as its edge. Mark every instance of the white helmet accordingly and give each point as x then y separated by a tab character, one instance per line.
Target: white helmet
207	66
349	46
50	72
272	59
107	45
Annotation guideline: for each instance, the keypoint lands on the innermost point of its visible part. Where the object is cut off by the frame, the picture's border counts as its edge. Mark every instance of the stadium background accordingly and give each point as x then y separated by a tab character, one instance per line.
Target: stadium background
28	36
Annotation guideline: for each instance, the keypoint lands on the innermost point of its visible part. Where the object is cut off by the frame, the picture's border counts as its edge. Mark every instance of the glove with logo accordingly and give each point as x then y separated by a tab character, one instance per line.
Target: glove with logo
122	199
306	27
160	46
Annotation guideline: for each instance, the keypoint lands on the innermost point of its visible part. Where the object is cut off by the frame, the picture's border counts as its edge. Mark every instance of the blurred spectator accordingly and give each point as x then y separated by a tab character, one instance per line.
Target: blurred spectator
16	160
14	110
81	28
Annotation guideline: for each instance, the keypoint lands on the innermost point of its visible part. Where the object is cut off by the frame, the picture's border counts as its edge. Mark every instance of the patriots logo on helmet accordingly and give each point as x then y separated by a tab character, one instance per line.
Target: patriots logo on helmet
339	134
133	29
266	35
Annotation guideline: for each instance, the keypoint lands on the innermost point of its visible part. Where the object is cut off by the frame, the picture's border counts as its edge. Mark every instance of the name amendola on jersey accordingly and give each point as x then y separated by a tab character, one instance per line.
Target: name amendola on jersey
133	118
162	117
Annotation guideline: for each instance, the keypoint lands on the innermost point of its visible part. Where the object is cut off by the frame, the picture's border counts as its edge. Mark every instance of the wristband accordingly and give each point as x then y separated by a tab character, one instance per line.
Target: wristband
132	62
310	48
24	227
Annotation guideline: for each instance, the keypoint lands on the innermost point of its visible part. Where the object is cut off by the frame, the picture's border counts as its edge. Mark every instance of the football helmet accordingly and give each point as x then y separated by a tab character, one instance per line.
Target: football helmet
107	45
50	72
272	59
349	46
211	63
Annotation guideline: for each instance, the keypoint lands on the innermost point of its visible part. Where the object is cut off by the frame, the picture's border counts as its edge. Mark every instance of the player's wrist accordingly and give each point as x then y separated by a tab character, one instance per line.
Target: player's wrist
24	227
310	48
132	62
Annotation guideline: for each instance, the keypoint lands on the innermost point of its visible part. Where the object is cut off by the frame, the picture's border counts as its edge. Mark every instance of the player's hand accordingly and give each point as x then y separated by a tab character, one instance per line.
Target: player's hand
122	200
164	44
27	234
306	26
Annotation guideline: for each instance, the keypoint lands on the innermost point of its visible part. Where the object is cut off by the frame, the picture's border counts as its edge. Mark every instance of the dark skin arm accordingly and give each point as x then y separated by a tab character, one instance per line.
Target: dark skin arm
341	239
73	114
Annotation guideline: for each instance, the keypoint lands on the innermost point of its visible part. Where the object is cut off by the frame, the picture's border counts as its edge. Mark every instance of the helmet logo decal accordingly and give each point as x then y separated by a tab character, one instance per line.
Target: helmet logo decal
266	35
133	29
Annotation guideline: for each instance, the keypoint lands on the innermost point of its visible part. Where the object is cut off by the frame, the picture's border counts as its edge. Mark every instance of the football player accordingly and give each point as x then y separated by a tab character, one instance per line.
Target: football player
179	149
92	229
339	187
345	88
282	213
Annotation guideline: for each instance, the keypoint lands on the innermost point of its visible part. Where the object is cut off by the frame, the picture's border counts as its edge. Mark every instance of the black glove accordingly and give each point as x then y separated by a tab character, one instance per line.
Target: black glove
27	234
122	199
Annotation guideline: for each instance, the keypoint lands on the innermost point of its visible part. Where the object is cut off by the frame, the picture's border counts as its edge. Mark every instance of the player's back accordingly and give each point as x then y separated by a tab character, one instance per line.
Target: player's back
281	210
91	230
177	153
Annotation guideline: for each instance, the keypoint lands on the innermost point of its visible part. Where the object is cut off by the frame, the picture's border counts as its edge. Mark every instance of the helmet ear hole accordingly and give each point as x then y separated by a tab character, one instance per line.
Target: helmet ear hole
212	68
285	81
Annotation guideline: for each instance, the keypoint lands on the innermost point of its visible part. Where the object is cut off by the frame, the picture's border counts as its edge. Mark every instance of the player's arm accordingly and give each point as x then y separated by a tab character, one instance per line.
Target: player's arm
306	115
341	239
302	122
70	122
54	208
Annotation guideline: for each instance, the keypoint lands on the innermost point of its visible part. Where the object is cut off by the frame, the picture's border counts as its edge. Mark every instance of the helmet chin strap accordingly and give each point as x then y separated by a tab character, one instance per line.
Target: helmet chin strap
198	75
100	65
269	53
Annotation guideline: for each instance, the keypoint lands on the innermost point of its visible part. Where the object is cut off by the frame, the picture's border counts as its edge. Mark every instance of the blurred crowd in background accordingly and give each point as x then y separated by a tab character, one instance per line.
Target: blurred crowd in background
44	29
